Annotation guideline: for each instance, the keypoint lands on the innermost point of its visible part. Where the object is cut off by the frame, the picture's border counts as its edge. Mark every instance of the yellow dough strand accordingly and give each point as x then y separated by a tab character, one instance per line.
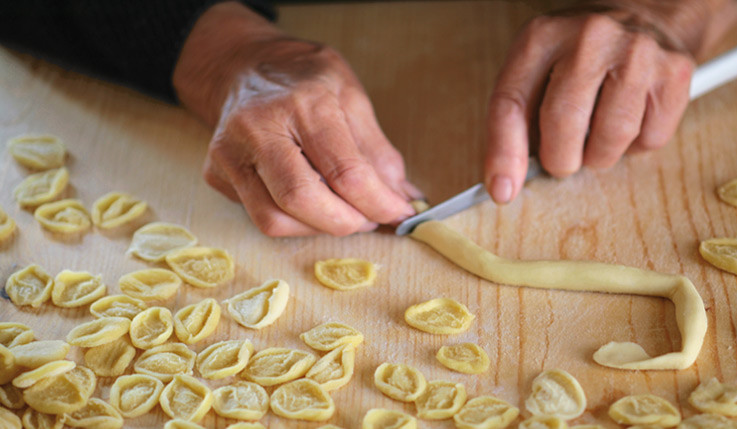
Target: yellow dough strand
580	276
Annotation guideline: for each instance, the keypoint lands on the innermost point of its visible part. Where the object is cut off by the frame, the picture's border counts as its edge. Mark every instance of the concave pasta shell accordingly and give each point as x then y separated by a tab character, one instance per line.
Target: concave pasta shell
76	288
205	267
135	395
30	286
165	361
98	332
39	152
260	306
115	209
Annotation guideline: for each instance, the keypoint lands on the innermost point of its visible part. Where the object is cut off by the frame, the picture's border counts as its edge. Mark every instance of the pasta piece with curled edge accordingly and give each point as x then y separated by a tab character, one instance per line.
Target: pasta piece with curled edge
332	335
165	361
153	241
150	284
543	422
37	353
644	410
556	393
260	306
181	424
467	358
96	414
440	400
64	393
64	216
135	395
224	358
728	192
205	267
335	369
378	418
30	286
399	381
242	400
197	321
7	225
117	306
39	152
589	427
186	398
11	397
41	188
485	412
246	425
9	420
277	365
345	274
111	359
720	252
8	368
302	400
14	334
151	327
76	288
714	397
708	421
115	209
439	316
32	419
51	369
98	332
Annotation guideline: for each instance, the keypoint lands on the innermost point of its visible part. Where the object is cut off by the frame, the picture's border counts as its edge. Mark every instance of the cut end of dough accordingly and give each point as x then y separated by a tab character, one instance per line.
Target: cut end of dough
621	355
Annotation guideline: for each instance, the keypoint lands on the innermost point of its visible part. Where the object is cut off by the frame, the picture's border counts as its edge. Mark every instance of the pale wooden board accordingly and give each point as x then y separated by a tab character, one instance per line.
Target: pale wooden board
428	67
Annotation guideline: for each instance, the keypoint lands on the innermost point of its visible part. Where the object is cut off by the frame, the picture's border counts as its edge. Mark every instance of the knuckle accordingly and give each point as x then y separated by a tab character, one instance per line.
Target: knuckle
507	103
351	173
295	196
272	226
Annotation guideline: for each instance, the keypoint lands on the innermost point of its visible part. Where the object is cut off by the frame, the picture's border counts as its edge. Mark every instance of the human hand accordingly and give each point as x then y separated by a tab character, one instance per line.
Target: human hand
296	139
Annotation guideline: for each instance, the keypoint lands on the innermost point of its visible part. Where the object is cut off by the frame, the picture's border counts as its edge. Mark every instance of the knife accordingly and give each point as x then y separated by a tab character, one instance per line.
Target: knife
707	77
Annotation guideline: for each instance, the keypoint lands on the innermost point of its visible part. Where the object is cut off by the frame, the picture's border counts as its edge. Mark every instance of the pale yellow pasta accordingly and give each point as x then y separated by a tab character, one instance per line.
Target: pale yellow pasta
14	334
11	397
30	286
32	419
440	400
152	242
242	400
720	252
51	369
260	306
41	188
64	393
485	412
715	397
439	316
39	152
117	306
197	321
165	361
151	327
277	365
110	359
335	369
302	400
98	332
378	418
329	427
115	209
345	274
708	421
399	381
202	266
7	225
76	288
97	414
728	192
246	425
593	427
543	422
8	368
329	336
37	353
135	395
556	393
186	398
467	358
8	419
181	424
644	410
224	358
64	216
150	284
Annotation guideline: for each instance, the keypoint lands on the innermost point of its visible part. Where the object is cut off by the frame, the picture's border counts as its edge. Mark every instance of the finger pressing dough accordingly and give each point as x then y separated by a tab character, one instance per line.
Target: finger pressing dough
32	419
241	400
39	152
202	266
440	400
7	225
720	252
260	306
378	418
728	192
14	334
186	398
485	412
332	335
76	288
302	400
165	361
224	358
580	275
111	359
399	381
151	327
40	188
117	306
467	358
543	422
556	393
278	365
345	274
150	284
197	321
644	410
96	414
714	397
335	369
98	332
37	353
64	216
115	209
152	242
708	421
439	316
29	286
135	395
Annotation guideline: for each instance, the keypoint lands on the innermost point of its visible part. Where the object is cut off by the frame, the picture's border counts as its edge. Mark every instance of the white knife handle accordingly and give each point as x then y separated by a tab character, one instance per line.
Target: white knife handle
714	74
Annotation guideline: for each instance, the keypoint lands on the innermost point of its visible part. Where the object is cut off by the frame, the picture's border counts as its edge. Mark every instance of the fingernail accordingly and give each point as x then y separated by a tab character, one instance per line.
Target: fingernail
501	189
368	226
412	191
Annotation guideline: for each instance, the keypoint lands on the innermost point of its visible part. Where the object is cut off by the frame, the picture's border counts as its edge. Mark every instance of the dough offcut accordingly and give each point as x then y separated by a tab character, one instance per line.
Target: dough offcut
581	275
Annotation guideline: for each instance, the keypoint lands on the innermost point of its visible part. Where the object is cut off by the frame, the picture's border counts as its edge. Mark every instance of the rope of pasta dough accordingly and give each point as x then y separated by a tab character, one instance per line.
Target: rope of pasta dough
585	276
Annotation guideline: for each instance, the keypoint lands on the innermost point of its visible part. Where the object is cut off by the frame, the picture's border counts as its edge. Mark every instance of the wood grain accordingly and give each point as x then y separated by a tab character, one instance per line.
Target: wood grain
428	67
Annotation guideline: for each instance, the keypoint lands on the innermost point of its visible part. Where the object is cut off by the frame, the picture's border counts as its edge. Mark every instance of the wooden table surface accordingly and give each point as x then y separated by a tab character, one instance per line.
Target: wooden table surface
429	68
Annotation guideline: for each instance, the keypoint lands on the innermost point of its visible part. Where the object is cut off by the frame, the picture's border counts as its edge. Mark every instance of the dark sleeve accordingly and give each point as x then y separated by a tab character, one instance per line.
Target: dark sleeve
133	42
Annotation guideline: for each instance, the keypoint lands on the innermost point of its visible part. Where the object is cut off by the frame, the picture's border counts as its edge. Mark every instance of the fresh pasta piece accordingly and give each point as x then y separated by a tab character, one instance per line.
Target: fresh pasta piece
76	288
329	336
202	266
9	420
150	284
51	369
98	332
242	400
246	425
152	242
64	393
186	398
302	400
181	424
592	427
97	414
556	393
115	209
30	286
224	358
39	152
11	397
720	252
335	369
345	274
165	361
8	368
277	365
151	327
728	192
63	216
110	359
714	397
7	225
117	306
41	188
135	395
329	427
440	400
708	421
32	419
399	381
37	353
260	306
197	321
15	334
378	418
485	412
467	358
439	316
644	410
543	422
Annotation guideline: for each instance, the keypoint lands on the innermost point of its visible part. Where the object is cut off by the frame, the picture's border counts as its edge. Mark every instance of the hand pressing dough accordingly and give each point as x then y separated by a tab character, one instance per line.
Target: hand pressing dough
242	400
7	225
96	414
439	316
224	359
150	284
76	288
151	327
117	306
278	365
543	422
15	334
728	192
330	336
440	400
485	412
580	275
556	393
197	321
378	418
259	307
186	398
720	252
165	361
644	410
302	400
64	216
40	188
39	152
115	209
37	353
345	274
713	397
135	395
467	358
111	359
335	369
399	381
152	242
